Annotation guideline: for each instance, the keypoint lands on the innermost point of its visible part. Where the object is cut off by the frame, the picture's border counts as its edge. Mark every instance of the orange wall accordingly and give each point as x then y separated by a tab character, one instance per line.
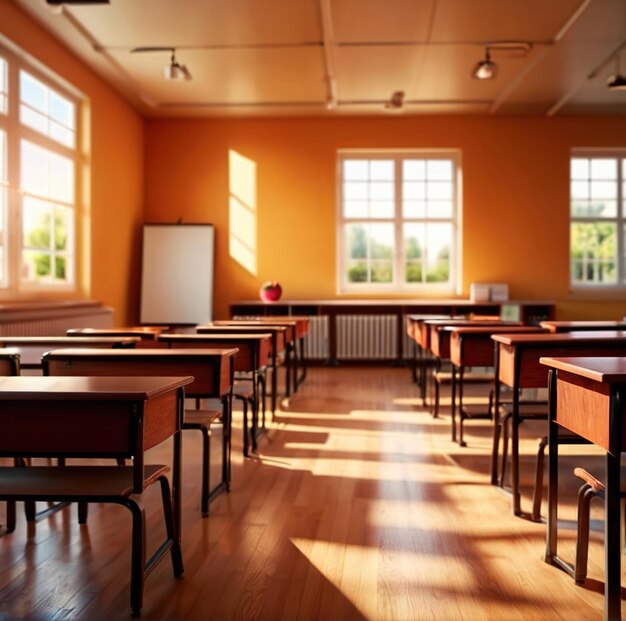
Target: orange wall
116	161
515	195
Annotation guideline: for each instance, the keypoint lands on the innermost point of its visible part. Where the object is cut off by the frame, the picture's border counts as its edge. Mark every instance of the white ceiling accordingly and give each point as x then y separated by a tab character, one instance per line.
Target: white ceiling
330	57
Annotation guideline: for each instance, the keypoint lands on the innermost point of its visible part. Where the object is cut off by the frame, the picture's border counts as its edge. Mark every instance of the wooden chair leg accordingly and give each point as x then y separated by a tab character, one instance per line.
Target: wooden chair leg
11	516
505	446
436	405
83	509
538	491
585	494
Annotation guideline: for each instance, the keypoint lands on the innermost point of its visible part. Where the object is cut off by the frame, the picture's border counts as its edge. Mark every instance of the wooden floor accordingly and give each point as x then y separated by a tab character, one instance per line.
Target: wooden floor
357	507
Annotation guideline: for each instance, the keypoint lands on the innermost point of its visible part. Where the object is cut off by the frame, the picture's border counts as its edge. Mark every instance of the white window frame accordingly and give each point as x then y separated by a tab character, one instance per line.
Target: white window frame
398	285
619	220
14	286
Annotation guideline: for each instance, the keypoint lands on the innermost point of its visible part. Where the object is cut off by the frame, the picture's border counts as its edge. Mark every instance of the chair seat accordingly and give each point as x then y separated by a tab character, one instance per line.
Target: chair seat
243	390
445	376
72	482
201	418
527	410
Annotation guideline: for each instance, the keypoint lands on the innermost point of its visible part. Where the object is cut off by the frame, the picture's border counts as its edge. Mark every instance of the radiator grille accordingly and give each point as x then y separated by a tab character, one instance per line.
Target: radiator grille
316	341
367	337
56	326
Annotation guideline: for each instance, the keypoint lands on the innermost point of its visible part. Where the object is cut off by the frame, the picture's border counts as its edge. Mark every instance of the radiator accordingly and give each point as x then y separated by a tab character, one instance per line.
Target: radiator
316	341
367	337
54	321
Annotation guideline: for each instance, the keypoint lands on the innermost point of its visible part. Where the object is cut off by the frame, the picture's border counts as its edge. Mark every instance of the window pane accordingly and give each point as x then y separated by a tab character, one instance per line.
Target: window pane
438	252
355	170
414	170
381	191
414	209
46	174
414	241
47	112
593	252
604	168
355	191
357	271
356	238
355	209
3	157
381	241
603	189
579	168
579	190
413	271
413	191
381	170
382	271
439	191
36	266
4	89
382	209
36	227
440	209
439	170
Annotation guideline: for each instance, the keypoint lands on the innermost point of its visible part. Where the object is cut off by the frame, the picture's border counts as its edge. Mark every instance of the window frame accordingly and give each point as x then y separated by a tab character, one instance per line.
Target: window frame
399	285
14	286
619	154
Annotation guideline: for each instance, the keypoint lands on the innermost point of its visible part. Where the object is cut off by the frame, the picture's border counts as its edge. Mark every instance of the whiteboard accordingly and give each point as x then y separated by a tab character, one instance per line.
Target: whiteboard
177	273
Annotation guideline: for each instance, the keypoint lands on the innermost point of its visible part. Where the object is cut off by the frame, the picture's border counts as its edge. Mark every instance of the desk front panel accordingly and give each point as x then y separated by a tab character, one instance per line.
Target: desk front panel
533	374
583	407
206	382
477	350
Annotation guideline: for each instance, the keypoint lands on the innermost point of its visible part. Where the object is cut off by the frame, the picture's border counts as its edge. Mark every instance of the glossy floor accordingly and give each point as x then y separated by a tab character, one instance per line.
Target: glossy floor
358	506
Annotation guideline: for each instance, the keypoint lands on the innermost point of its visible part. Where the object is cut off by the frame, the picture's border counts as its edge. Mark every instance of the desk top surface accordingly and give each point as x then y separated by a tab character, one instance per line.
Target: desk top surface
583	325
151	332
611	370
68	340
458	331
249	337
237	327
442	323
163	354
563	338
35	388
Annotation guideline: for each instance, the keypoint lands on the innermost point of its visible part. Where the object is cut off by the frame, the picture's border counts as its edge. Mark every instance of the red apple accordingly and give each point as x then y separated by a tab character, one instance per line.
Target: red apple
271	291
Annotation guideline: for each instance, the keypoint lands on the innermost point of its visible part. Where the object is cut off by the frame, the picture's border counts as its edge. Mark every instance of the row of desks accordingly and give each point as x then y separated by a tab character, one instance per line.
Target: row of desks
119	401
583	365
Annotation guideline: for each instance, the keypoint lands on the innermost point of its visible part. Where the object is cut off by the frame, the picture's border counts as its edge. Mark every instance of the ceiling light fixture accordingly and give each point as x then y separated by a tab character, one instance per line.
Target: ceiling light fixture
485	69
616	82
176	71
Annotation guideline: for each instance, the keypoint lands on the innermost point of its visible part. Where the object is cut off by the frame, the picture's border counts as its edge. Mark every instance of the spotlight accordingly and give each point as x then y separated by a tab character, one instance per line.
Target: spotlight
485	69
176	71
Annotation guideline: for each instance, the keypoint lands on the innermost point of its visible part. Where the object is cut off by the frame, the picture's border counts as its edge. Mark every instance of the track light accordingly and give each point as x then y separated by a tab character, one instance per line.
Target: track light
176	71
616	82
485	69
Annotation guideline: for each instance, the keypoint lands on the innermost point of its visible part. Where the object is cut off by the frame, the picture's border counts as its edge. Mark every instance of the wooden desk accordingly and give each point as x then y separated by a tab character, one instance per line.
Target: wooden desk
439	339
291	359
588	396
279	345
212	371
302	329
252	357
118	417
418	332
147	335
471	346
582	326
517	365
32	348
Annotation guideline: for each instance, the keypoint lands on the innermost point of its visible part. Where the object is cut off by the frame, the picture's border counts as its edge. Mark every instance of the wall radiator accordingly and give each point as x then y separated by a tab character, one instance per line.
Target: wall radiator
367	337
316	341
53	321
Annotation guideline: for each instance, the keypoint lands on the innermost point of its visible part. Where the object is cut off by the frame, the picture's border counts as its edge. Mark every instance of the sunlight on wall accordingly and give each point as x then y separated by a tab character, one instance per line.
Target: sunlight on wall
242	245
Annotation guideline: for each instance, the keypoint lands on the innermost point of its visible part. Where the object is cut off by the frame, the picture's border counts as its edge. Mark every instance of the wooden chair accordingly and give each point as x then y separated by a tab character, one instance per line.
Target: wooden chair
591	488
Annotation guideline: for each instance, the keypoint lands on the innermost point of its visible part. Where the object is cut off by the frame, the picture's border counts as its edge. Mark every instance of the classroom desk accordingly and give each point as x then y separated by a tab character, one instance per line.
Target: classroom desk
291	359
471	346
212	371
517	365
582	326
32	348
587	396
418	332
279	345
302	329
120	417
252	357
147	335
439	339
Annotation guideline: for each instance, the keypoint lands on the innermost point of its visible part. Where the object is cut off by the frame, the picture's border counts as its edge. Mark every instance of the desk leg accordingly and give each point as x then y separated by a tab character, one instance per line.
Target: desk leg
553	470
302	360
612	539
496	419
295	366
453	401
517	509
274	387
177	468
288	370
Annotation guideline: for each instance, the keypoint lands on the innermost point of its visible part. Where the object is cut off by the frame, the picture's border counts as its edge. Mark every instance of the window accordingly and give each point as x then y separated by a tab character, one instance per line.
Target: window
597	191
398	217
39	161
